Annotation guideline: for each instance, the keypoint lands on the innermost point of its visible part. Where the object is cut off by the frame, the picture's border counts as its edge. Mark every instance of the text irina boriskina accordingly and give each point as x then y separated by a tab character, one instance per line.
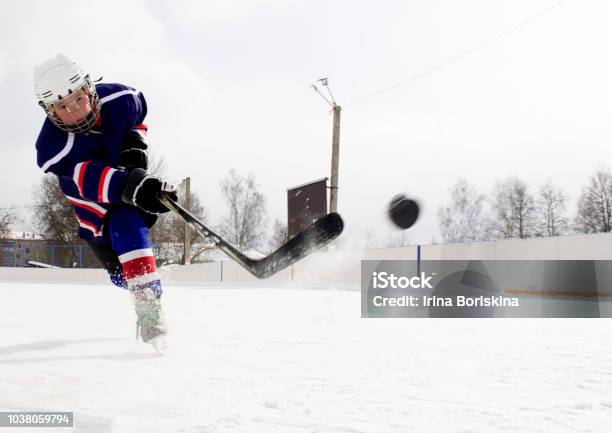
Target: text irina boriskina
385	280
444	301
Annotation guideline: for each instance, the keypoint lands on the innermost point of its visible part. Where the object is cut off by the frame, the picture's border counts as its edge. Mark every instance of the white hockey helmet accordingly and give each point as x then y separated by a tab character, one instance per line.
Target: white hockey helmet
57	79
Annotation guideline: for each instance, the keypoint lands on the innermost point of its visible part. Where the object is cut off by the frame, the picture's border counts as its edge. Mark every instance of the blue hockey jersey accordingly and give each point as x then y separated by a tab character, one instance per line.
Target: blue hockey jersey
86	163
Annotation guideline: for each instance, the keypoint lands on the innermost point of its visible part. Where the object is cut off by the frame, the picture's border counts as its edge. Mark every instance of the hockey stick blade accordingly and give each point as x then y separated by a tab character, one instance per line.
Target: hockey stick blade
320	233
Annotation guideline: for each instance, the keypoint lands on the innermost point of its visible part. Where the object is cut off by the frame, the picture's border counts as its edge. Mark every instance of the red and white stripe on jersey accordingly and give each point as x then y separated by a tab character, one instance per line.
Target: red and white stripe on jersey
137	264
105	178
88	206
142	129
89	226
79	176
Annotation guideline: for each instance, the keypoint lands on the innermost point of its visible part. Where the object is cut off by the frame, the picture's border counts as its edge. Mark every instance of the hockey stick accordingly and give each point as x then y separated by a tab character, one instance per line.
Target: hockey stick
321	232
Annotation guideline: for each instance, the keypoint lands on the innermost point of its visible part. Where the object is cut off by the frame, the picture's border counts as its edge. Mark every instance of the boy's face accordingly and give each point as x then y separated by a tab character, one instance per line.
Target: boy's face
72	109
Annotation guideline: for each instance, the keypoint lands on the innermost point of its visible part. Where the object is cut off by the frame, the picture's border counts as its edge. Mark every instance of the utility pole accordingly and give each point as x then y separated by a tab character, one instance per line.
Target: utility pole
336	109
187	240
333	193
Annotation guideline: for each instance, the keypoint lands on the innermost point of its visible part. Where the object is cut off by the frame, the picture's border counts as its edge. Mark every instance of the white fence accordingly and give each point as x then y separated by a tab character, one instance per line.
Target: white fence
341	267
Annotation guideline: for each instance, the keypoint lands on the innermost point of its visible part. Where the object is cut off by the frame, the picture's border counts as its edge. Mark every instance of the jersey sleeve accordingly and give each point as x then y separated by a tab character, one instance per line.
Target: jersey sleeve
96	181
123	111
126	107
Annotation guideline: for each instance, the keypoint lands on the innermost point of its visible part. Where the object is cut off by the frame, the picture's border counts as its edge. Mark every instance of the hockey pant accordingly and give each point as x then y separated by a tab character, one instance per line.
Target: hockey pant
125	251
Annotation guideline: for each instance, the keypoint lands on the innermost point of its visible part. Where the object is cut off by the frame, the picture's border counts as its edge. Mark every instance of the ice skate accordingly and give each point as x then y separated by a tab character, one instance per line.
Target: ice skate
150	322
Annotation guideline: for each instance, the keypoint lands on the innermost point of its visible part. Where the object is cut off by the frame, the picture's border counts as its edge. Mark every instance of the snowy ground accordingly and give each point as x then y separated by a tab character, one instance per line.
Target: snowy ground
287	360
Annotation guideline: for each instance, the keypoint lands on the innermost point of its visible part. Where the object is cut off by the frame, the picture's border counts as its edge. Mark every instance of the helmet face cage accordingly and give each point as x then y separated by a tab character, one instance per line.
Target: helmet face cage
85	122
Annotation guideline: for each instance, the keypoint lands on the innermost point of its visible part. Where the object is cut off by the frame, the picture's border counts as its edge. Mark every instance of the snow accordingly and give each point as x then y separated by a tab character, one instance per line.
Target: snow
291	360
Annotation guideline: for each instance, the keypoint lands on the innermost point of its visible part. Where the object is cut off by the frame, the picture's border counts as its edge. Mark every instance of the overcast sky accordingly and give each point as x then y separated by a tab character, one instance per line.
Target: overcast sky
227	84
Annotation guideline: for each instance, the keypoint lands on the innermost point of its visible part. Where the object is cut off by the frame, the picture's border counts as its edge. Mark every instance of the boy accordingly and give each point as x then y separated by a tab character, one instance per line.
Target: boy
93	141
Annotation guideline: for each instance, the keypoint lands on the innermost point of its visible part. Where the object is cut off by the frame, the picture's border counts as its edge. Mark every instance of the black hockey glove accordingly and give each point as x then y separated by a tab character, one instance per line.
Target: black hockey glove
141	190
133	152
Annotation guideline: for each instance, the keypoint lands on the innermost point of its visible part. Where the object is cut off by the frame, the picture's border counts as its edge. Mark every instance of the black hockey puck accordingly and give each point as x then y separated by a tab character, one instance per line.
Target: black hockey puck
403	211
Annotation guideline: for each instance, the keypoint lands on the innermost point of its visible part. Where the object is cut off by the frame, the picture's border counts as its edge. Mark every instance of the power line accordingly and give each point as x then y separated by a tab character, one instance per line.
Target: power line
460	56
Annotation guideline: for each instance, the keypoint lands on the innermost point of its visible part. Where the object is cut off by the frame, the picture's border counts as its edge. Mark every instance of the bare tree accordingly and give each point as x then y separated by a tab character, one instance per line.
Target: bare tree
8	218
463	220
514	209
550	210
169	232
156	166
280	235
595	204
504	222
53	215
244	224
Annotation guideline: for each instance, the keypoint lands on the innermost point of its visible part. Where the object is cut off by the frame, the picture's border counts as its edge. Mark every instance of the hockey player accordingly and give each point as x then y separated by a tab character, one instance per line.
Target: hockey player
93	141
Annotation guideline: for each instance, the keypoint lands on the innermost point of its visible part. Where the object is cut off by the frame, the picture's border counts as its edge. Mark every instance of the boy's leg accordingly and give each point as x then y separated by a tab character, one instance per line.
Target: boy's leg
109	261
129	236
